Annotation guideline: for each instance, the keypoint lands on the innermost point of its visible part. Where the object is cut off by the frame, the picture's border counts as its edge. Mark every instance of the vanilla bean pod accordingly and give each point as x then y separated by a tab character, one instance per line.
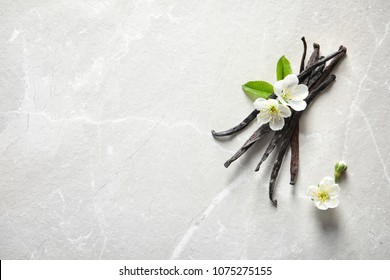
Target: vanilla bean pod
328	69
257	135
279	159
308	70
294	143
286	140
314	56
241	125
313	59
237	128
271	146
303	54
315	75
312	78
294	164
318	90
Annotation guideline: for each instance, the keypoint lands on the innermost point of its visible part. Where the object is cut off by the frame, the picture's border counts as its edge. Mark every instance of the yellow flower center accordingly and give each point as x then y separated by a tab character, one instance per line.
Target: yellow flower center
273	110
286	94
323	195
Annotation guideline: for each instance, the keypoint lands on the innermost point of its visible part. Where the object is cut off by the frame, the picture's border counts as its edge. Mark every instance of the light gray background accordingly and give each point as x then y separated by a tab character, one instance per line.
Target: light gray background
106	112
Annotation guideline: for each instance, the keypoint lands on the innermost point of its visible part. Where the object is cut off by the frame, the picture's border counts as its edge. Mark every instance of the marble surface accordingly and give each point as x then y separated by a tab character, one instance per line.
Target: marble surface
106	111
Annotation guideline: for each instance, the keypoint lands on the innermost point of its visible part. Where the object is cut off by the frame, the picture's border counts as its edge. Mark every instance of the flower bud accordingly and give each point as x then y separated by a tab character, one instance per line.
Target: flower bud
339	170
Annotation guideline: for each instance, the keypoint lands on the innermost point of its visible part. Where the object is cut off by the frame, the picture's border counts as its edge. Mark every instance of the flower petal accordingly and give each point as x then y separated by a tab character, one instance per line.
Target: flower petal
259	104
278	87
327	181
320	205
334	190
298	105
284	111
263	117
301	92
333	202
281	100
273	102
312	191
276	123
291	80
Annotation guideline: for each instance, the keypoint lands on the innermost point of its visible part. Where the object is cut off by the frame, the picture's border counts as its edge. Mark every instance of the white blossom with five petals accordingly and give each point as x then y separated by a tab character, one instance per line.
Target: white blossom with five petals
290	93
326	194
271	111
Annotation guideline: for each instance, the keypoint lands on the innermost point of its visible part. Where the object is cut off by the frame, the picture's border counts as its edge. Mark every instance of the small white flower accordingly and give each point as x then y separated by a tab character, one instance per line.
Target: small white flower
326	194
271	111
290	93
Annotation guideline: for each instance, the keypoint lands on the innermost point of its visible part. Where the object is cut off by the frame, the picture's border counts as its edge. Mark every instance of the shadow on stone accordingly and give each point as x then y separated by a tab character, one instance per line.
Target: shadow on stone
328	219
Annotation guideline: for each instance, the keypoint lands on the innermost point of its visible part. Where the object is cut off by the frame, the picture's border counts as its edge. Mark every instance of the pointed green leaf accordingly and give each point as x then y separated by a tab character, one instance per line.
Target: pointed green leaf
283	68
258	89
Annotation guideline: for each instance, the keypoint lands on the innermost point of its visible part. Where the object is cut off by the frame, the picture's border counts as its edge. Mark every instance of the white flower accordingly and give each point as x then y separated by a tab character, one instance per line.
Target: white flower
325	195
271	111
290	93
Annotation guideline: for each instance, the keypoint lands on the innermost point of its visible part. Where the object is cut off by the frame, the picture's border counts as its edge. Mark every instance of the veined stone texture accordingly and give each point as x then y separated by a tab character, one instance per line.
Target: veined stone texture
106	112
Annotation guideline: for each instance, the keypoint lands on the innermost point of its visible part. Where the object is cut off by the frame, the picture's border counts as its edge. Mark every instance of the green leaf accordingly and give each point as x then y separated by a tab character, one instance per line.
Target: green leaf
283	68
258	89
